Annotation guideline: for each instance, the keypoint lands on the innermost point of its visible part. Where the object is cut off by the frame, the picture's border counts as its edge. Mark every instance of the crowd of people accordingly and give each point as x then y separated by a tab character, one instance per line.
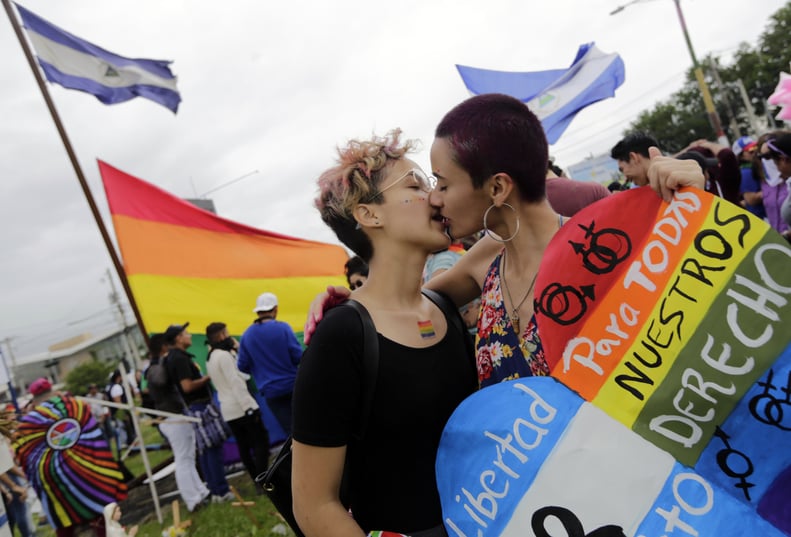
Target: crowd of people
266	361
752	173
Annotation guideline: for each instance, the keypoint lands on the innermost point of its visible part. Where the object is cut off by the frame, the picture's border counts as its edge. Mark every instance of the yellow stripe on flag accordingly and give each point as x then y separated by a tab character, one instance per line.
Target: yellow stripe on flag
165	300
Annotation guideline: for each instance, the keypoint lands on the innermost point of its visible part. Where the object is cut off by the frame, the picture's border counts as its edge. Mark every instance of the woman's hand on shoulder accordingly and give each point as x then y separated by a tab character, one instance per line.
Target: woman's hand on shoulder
330	298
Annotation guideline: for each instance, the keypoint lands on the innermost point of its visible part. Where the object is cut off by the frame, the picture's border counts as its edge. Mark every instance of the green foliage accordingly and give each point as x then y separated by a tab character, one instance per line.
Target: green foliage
682	118
80	377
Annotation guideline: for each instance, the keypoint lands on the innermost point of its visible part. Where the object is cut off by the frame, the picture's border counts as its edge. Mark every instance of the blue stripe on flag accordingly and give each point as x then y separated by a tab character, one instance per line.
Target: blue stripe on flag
107	94
167	98
556	95
592	78
50	31
523	86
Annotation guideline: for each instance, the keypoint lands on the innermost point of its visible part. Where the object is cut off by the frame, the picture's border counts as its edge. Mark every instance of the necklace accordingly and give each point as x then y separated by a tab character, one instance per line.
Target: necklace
515	312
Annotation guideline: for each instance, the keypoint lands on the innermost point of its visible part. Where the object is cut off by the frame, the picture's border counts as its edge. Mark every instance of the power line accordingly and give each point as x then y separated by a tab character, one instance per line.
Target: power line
593	139
227	183
576	132
62	329
572	144
91	316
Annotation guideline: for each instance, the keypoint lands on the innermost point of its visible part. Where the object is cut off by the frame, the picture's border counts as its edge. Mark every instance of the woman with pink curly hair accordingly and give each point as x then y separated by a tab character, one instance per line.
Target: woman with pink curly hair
376	201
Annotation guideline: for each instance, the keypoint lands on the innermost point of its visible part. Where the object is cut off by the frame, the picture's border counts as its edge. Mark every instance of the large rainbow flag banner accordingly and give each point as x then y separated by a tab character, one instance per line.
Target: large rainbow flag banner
187	264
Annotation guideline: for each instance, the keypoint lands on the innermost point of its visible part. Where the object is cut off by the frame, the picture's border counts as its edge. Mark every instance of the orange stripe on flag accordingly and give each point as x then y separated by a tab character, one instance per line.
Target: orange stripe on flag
159	248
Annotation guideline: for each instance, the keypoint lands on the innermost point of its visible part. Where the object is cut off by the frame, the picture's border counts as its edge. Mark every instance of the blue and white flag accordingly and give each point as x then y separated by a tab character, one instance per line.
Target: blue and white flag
77	64
556	95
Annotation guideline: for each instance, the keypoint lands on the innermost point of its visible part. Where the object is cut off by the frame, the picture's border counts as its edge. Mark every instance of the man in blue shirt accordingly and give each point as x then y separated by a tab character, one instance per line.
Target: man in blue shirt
270	352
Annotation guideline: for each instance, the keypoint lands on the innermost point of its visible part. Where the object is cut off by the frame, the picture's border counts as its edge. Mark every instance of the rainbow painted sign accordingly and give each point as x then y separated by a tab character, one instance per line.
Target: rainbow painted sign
674	321
68	461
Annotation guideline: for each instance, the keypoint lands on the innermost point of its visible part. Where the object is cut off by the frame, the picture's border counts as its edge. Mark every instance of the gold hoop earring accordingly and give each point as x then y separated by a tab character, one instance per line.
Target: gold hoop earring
494	236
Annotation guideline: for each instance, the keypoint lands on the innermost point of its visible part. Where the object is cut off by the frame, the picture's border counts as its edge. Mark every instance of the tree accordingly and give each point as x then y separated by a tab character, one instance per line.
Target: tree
682	118
93	372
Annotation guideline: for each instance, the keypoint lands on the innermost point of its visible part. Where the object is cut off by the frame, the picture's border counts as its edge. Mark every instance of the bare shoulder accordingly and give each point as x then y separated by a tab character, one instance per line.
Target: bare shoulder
480	257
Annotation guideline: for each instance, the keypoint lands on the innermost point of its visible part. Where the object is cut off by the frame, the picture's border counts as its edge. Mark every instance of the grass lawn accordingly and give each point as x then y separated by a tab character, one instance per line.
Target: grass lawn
225	520
134	462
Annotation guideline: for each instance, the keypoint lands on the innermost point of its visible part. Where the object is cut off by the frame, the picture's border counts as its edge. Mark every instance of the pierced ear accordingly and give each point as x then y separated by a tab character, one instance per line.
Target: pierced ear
500	187
365	216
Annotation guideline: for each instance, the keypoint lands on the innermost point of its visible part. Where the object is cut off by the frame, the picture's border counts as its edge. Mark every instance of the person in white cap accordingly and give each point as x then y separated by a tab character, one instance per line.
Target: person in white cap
270	352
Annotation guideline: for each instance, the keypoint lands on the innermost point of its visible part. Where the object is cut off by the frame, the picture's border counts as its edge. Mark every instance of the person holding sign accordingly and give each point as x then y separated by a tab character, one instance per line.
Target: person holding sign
490	158
377	202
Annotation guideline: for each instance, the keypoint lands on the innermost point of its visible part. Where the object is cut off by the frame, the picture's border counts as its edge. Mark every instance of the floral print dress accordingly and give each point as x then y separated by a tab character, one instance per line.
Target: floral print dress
499	353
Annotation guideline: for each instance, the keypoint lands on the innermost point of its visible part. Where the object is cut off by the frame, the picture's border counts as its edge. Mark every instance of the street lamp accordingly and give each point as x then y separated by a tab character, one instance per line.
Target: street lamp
714	118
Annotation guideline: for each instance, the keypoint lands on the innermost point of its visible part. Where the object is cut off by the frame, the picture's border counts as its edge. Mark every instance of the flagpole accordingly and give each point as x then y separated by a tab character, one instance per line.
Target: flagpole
119	269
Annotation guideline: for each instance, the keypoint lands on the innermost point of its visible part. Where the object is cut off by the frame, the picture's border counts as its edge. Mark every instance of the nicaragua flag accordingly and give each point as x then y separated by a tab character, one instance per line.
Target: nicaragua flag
556	95
77	64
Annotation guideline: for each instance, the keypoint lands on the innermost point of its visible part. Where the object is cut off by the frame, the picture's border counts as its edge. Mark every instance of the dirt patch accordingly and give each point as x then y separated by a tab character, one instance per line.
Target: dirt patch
138	507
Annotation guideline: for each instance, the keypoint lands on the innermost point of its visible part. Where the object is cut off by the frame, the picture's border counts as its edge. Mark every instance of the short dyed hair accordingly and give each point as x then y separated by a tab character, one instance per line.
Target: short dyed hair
495	133
361	166
635	142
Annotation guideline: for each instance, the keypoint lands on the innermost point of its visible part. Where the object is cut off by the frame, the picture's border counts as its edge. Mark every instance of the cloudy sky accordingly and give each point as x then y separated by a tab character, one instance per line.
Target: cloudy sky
269	89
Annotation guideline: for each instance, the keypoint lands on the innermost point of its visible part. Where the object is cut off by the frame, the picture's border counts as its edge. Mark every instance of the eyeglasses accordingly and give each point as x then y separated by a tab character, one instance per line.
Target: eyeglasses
774	152
426	183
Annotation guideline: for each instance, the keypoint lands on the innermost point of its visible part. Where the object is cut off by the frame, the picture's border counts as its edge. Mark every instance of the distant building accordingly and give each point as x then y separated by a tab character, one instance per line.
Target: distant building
205	204
602	169
62	357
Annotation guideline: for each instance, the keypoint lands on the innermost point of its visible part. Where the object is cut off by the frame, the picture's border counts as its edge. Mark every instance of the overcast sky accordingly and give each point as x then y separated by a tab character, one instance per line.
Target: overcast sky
271	88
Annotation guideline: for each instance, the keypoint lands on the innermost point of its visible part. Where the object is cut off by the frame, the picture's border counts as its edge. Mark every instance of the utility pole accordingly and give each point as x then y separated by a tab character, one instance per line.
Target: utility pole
737	131
748	105
129	349
7	342
714	118
711	111
10	371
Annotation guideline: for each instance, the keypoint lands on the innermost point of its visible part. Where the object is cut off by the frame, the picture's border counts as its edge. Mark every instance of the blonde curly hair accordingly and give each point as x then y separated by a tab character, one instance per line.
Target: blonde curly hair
362	164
